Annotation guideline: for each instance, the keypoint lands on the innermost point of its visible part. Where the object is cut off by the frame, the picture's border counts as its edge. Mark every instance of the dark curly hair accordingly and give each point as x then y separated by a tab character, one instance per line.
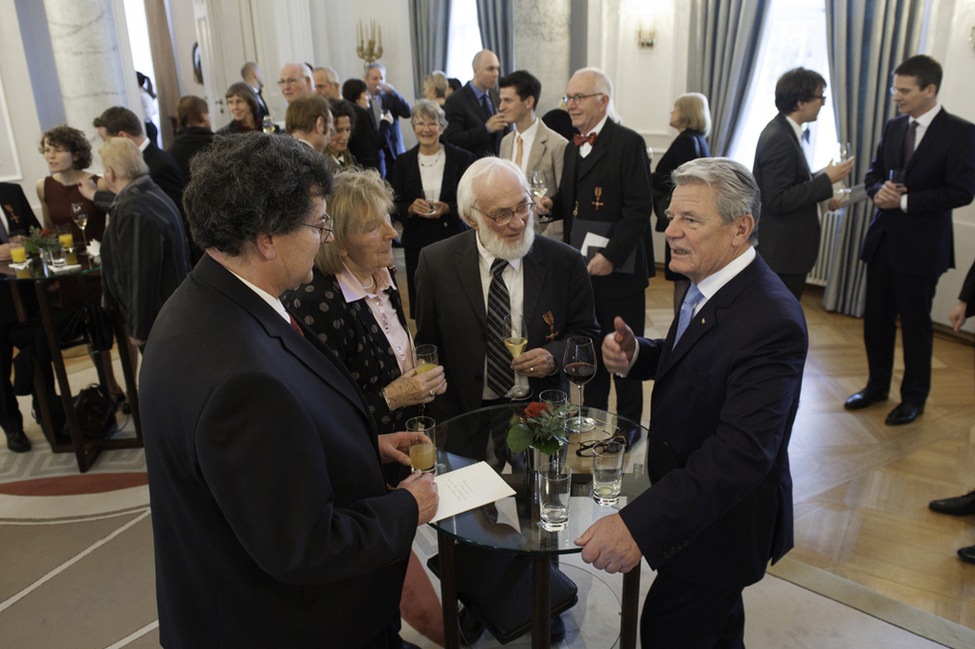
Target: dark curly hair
253	183
353	88
72	140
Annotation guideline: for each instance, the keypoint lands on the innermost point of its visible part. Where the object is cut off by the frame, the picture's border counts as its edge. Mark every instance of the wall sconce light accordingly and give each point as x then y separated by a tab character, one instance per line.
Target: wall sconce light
646	33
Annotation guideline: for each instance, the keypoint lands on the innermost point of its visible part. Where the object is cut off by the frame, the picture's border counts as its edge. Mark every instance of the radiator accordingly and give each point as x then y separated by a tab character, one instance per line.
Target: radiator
829	222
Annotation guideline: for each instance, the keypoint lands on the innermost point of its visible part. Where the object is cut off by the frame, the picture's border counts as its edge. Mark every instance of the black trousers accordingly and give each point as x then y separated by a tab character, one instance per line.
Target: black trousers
629	393
11	419
679	614
891	294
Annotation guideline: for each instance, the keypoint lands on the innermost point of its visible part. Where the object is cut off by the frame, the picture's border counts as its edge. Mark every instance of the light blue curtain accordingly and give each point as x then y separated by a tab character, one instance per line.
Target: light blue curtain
429	26
725	37
866	40
496	23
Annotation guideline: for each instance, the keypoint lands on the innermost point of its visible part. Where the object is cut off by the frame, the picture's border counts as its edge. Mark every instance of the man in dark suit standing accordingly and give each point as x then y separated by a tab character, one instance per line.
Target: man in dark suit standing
605	201
273	525
253	76
15	215
362	142
925	167
726	390
544	280
386	105
118	121
473	120
790	192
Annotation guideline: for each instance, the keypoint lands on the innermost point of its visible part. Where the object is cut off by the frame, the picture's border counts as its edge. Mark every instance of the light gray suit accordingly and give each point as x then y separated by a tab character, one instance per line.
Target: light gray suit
546	155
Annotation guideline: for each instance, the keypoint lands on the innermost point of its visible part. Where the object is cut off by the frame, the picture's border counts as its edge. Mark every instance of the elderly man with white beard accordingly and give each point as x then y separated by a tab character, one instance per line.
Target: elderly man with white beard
501	262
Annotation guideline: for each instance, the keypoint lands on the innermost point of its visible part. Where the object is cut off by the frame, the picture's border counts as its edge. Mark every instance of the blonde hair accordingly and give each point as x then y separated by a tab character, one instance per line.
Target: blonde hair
122	156
359	200
693	112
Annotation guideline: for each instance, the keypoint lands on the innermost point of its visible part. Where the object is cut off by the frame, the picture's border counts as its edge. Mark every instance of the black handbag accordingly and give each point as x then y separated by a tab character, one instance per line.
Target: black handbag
95	408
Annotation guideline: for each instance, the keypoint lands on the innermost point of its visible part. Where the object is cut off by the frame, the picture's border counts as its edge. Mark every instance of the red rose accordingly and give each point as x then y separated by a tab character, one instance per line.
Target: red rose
535	409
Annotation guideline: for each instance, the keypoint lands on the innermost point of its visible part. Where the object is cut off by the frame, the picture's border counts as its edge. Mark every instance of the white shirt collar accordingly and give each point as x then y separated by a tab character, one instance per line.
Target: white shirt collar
599	127
528	132
352	288
715	281
144	145
796	126
273	301
926	119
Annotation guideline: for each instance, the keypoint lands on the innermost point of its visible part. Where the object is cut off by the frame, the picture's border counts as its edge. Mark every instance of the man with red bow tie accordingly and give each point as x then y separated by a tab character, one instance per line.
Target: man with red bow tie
605	202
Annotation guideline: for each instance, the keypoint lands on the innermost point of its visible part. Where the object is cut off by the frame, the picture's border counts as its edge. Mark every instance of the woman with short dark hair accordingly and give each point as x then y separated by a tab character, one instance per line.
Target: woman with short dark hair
68	153
242	104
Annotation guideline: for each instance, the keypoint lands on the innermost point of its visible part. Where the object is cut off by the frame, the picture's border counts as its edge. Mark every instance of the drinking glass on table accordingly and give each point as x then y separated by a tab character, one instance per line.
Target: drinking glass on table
423	450
515	339
80	217
65	236
554	480
579	363
607	471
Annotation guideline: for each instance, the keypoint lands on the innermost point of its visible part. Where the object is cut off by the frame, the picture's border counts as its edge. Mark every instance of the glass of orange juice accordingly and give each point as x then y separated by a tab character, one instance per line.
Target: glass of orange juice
66	237
18	254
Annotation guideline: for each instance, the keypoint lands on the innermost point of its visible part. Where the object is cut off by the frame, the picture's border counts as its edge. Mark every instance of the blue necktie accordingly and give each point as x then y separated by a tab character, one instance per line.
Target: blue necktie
487	105
691	300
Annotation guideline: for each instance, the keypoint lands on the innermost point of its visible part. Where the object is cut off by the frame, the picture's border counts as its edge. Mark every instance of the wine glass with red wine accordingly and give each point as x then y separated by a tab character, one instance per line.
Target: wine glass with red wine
579	364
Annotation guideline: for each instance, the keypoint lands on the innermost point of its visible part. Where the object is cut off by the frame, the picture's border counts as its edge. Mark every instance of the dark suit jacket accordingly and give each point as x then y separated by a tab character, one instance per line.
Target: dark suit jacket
363	142
450	313
967	294
940	177
619	168
20	216
465	122
788	230
144	254
350	331
271	519
164	172
418	231
724	400
187	143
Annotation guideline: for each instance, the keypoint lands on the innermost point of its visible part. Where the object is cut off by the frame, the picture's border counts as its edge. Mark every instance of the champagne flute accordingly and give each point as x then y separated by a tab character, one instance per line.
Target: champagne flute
540	189
427	358
846	151
267	125
579	363
515	339
80	217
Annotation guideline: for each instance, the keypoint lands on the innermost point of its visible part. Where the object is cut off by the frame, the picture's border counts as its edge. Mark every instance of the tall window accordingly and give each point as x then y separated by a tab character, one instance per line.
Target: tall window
464	41
795	35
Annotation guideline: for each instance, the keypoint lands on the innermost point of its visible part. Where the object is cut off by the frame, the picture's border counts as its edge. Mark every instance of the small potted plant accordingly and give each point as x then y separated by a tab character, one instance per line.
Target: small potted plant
542	429
43	243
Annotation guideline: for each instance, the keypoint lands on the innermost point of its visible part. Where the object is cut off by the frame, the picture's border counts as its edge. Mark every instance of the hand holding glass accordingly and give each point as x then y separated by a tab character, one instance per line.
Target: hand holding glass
423	450
515	340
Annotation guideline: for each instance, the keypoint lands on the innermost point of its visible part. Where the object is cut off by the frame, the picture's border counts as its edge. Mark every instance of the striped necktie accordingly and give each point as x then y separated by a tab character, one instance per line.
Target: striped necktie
500	378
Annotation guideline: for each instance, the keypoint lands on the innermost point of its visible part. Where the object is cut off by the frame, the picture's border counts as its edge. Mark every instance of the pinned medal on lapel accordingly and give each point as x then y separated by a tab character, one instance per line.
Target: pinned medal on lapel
550	321
575	212
596	203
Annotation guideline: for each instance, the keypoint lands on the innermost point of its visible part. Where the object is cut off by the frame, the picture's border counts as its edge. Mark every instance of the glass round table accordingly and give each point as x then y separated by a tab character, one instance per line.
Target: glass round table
512	524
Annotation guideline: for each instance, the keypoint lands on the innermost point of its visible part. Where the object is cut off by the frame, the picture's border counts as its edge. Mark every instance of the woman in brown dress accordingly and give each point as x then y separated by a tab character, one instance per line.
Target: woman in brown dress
68	153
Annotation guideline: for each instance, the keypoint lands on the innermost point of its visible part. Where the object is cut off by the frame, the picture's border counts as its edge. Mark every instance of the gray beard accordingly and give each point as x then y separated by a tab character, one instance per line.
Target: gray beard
495	245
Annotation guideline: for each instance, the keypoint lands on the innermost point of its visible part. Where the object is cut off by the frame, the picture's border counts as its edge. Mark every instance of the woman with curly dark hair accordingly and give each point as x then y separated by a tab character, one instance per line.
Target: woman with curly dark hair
68	153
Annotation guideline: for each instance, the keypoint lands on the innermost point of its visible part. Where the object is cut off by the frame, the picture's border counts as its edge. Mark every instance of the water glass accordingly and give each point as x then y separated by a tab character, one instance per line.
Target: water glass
553	496
607	472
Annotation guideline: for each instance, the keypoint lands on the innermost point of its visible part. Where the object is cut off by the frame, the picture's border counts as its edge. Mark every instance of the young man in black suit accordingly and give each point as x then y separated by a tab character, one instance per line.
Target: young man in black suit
790	192
605	201
726	390
910	241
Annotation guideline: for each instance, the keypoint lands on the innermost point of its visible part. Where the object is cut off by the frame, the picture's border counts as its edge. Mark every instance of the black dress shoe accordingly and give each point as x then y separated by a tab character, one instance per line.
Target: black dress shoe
904	414
957	506
18	442
470	627
557	629
967	554
864	398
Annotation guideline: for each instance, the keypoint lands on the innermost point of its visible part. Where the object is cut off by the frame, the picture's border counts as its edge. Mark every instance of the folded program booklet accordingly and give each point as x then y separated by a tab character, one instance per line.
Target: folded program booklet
468	488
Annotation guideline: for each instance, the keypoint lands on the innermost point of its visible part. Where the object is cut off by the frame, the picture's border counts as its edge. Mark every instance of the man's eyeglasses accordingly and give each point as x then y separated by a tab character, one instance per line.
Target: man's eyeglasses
590	447
577	99
288	82
504	216
324	229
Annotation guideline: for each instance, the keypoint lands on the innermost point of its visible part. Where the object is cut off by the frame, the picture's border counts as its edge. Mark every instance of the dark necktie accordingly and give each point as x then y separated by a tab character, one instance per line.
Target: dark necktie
486	103
909	141
579	140
805	135
691	299
500	378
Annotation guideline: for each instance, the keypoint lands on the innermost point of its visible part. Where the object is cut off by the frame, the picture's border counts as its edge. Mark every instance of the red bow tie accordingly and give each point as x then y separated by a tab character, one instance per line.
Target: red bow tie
579	140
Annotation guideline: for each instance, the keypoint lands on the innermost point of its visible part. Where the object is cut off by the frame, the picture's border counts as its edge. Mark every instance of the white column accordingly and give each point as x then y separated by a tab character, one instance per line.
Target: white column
88	58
